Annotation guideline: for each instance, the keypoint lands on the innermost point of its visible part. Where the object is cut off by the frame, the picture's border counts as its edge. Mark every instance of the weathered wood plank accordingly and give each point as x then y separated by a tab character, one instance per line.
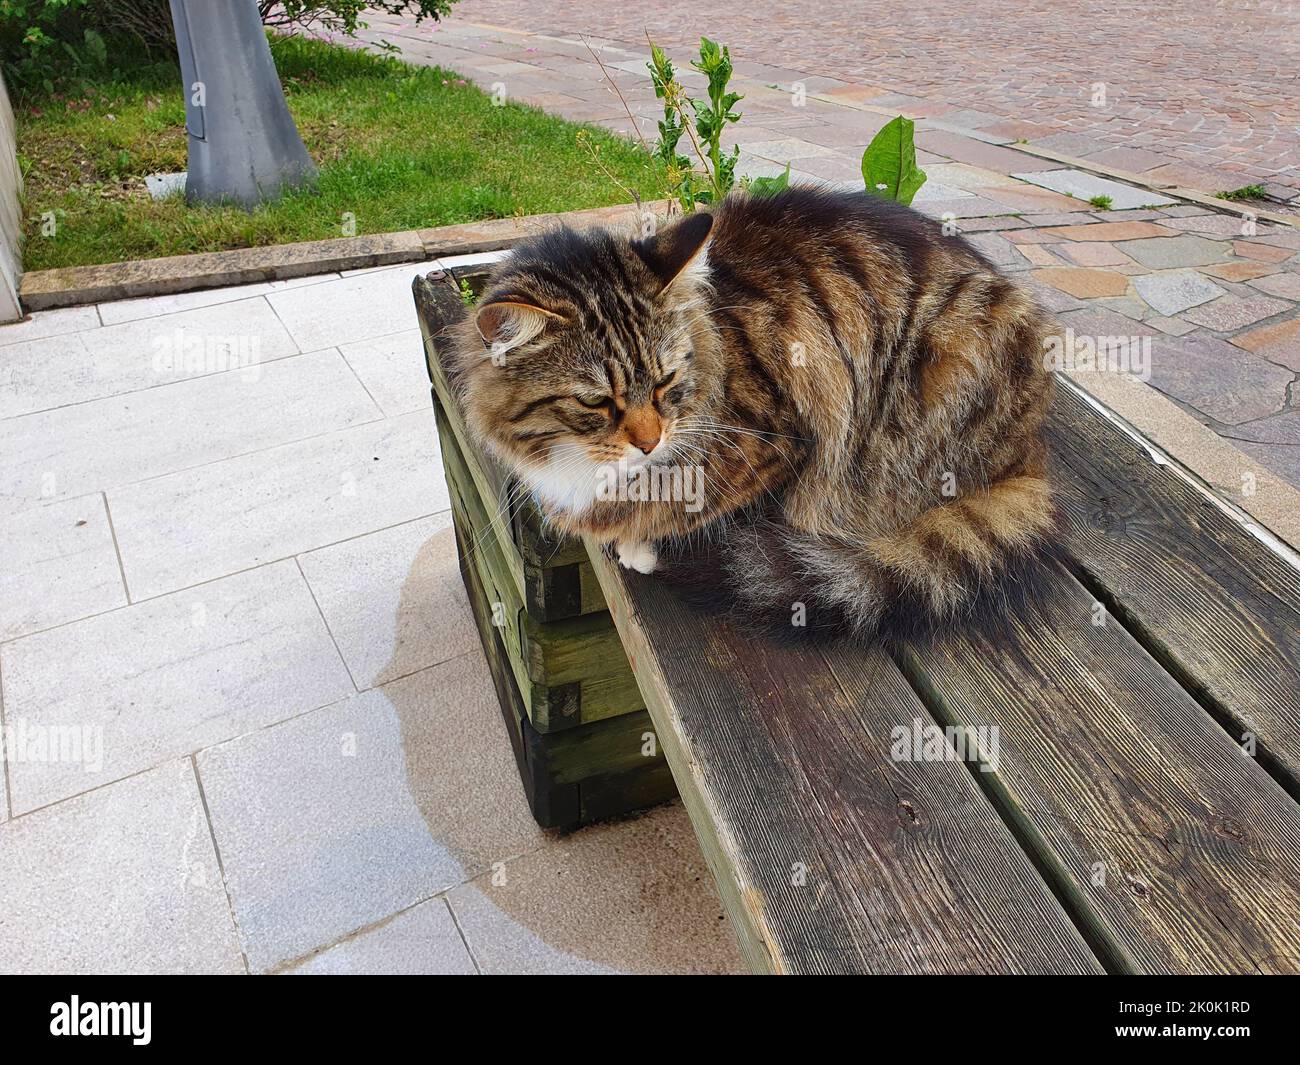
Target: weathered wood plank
829	856
1167	842
1215	605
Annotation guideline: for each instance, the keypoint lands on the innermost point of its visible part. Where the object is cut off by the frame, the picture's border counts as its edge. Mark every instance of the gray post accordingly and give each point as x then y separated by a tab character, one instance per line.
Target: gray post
243	145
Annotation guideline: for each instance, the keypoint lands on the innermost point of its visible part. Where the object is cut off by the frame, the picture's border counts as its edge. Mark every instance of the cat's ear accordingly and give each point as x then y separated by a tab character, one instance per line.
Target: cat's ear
511	319
679	250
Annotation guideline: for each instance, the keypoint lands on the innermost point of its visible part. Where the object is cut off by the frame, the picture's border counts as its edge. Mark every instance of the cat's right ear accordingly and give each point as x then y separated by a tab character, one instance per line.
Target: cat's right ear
508	320
678	251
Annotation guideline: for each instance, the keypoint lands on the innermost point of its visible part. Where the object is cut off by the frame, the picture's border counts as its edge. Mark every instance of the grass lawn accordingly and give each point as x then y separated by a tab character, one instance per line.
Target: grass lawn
398	146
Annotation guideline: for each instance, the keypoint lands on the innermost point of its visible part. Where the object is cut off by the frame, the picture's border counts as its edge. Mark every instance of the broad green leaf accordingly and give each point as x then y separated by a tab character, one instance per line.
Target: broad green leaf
889	164
770	186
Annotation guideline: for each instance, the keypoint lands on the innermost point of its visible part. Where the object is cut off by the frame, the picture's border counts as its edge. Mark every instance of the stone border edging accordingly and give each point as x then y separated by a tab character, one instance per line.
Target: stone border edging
70	286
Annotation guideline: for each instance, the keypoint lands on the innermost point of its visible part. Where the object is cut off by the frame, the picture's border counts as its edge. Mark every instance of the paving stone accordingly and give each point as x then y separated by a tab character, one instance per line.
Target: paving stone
60	565
160	679
1238	270
1279	342
421	941
391	369
784	150
1129	306
1265	253
1134	159
1112	231
359	307
1135	215
123	880
340	818
393	600
1039	254
965	176
1174	291
1085	284
1085	187
1034	236
600	920
1029	198
188	527
1219	225
55	371
1094	253
1175	327
1171	253
937	190
997	249
105	443
1002	223
1050	298
1232	312
1191	177
969	150
41	324
1284	285
1218	379
1280	238
1070	218
965	207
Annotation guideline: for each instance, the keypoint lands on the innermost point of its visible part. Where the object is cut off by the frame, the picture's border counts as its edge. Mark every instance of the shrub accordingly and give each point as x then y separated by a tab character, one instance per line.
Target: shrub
52	45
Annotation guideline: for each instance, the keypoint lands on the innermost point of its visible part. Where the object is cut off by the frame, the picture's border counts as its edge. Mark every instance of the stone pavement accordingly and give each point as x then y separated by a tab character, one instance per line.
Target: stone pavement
1202	94
1215	293
246	722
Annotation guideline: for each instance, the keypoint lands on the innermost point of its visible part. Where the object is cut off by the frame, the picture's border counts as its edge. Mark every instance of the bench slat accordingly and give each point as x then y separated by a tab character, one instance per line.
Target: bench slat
1214	604
782	757
1108	768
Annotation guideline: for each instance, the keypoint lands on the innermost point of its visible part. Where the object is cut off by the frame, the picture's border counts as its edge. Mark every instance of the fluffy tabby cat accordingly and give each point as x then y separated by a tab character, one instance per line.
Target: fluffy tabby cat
863	394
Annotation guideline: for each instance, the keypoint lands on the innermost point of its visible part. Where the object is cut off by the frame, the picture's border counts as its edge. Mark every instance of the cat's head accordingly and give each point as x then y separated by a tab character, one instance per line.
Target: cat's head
590	348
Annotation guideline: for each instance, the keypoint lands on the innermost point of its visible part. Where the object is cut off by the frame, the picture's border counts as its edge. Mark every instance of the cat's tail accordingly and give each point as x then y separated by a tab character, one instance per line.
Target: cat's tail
932	570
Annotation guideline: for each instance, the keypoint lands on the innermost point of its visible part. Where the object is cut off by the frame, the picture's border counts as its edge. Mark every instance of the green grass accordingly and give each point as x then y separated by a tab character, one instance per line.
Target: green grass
400	147
1101	202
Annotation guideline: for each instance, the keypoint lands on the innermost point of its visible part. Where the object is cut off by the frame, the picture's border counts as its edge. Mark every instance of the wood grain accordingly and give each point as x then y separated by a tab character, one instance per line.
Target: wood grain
1168	843
831	857
1219	608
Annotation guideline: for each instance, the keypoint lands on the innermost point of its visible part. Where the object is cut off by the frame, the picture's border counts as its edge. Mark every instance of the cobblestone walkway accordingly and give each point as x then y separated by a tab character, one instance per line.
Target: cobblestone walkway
1204	94
1214	295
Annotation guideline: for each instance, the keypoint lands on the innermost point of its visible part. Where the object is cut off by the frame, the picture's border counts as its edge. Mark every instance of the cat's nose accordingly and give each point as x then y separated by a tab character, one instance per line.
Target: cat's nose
643	428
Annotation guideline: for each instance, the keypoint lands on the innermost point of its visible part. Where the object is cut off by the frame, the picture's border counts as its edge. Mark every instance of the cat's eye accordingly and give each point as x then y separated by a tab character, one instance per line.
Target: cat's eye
665	381
606	404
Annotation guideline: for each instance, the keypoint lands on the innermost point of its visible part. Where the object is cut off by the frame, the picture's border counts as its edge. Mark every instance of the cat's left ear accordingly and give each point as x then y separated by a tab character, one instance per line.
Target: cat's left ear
680	250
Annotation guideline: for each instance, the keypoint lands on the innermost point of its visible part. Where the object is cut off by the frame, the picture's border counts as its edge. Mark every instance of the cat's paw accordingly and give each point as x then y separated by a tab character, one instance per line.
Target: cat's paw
638	556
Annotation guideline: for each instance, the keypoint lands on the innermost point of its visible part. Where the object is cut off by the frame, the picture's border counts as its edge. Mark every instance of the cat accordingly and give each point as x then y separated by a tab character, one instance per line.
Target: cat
861	394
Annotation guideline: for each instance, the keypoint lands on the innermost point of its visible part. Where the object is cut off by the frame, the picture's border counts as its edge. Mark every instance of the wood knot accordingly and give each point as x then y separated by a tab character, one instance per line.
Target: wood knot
1230	827
1139	889
907	813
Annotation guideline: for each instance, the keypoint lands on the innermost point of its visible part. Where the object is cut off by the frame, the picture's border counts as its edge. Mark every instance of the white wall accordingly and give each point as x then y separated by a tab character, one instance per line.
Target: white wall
11	263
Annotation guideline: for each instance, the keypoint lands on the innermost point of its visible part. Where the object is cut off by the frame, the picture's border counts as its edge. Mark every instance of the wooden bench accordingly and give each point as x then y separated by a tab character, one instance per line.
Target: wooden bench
1132	808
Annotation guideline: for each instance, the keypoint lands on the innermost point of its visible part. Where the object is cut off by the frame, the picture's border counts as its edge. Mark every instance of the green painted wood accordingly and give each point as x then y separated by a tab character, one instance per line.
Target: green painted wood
1171	847
829	855
1219	608
571	671
581	775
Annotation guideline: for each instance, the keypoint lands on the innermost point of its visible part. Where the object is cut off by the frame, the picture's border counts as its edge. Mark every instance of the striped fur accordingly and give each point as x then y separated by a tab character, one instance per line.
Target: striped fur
863	394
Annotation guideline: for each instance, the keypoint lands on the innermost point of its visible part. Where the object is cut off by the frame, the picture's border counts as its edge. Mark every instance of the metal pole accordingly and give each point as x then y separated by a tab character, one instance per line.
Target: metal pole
243	145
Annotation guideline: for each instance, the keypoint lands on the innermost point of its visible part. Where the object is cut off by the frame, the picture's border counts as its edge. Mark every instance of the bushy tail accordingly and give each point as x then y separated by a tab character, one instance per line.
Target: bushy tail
935	569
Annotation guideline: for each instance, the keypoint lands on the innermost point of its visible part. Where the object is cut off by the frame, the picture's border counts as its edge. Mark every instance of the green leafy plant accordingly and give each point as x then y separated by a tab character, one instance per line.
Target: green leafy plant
701	121
1246	192
1102	203
889	164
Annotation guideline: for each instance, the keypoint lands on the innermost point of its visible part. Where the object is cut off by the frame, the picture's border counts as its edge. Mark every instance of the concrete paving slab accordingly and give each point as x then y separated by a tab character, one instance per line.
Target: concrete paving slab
159	680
